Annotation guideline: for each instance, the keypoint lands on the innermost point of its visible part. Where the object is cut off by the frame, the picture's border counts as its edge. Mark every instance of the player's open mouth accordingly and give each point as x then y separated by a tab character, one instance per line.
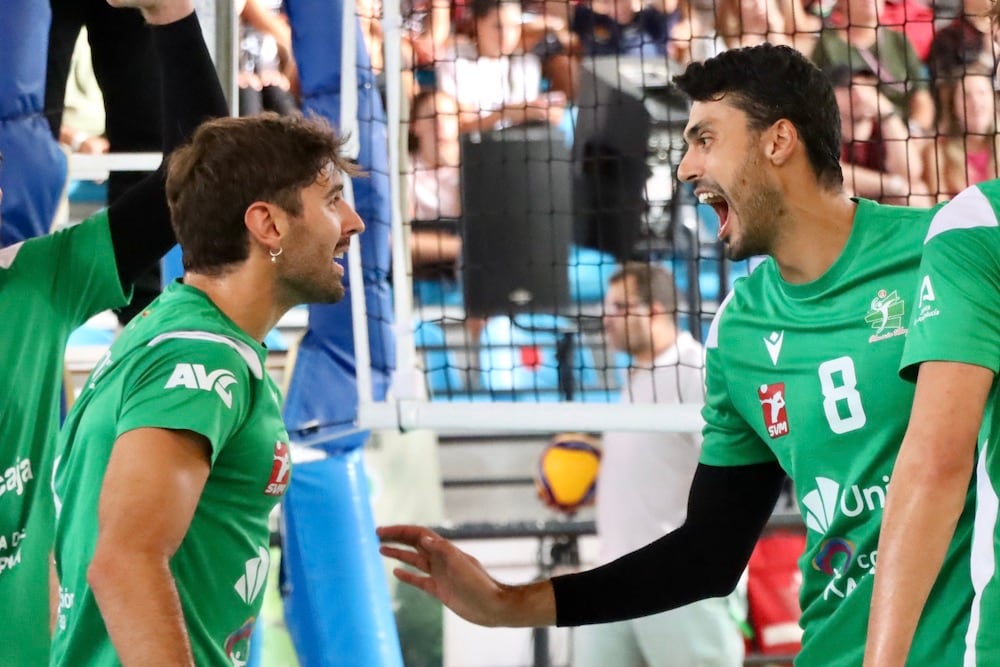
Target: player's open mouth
721	207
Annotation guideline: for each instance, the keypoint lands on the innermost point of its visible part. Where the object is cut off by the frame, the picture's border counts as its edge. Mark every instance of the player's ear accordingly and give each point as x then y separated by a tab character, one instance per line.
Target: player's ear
266	223
779	141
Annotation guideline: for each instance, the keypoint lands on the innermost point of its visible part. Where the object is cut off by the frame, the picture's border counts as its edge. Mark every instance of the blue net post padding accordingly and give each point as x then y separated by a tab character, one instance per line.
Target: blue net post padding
337	602
333	572
34	169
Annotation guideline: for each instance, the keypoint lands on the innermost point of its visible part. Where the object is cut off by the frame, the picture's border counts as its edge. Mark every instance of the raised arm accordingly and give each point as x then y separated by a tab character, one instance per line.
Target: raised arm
727	509
140	220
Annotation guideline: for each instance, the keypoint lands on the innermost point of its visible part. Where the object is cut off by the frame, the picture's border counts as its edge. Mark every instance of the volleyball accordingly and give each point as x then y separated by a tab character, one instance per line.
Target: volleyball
567	471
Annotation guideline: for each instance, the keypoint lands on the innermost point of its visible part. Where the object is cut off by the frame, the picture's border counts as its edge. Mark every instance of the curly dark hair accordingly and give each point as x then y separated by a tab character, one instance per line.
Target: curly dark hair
768	83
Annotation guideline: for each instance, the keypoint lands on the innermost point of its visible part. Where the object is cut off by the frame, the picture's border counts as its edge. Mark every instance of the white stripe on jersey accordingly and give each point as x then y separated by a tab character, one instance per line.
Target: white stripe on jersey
244	350
983	559
713	331
969	209
8	254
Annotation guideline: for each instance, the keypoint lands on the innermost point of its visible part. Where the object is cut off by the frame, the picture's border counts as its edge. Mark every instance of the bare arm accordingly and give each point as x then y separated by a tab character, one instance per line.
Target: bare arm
150	491
727	510
925	501
548	108
53	594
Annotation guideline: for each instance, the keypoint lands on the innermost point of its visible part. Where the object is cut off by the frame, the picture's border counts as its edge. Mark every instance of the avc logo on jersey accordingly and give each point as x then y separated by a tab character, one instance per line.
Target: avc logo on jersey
194	376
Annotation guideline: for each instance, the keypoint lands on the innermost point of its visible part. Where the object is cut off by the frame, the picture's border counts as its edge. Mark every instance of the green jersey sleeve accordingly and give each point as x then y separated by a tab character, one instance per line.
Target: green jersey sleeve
194	385
956	314
72	270
728	439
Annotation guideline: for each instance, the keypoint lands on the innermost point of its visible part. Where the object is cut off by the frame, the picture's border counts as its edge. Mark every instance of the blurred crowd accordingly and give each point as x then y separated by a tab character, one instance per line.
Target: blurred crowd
915	81
914	78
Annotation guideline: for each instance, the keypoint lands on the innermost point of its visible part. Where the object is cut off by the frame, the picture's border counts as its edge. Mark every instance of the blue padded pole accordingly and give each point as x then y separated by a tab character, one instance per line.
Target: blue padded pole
337	603
333	572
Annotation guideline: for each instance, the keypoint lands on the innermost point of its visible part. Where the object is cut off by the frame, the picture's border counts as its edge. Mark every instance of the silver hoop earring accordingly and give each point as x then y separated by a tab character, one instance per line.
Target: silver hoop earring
275	255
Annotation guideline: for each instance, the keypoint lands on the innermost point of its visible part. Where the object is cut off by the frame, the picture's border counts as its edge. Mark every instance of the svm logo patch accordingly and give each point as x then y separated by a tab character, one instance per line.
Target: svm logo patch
194	376
772	402
281	470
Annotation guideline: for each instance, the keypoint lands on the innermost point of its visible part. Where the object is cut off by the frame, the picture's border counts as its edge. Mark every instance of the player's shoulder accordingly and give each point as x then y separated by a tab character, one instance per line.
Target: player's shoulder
973	208
893	219
744	302
40	253
205	351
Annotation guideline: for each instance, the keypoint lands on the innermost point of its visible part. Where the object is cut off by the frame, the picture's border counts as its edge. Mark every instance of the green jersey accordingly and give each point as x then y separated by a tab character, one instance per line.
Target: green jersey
48	286
957	318
806	375
181	364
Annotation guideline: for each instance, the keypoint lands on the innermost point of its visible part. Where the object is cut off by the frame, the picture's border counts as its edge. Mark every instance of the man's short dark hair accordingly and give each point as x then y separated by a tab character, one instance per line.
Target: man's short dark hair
231	163
768	83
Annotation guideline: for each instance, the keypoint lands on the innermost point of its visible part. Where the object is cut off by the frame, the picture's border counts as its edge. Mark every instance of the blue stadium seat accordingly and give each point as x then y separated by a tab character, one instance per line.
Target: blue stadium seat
708	277
589	270
89	335
87	192
439	293
440	369
518	358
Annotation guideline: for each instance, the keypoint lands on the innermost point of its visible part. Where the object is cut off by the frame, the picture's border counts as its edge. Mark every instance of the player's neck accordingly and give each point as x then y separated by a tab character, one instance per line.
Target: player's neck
816	229
248	300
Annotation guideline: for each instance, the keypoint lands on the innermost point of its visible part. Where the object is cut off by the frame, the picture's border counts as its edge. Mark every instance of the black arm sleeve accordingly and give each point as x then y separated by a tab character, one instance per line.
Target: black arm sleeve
727	509
139	219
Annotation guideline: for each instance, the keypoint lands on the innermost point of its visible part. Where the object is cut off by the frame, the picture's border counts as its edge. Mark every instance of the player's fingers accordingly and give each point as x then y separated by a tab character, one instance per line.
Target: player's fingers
403	534
440	552
413	579
411	558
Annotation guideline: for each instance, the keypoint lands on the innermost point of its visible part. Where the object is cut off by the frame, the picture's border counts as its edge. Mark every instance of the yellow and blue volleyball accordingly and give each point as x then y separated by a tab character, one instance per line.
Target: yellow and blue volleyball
567	471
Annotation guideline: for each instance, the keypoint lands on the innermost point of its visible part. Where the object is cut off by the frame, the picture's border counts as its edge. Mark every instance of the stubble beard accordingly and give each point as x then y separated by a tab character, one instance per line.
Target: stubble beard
762	205
313	287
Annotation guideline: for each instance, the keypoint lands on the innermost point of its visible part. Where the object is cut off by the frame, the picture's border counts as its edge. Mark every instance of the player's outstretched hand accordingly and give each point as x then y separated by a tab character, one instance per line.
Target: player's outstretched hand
158	12
461	583
443	570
